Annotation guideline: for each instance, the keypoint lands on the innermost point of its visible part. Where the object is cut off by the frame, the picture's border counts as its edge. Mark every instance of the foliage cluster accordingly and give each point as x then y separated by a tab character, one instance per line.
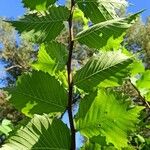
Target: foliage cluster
107	117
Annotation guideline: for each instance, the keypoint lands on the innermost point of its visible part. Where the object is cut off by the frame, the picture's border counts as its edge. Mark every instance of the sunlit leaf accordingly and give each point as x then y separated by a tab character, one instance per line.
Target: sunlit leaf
144	81
98	35
106	66
39	93
52	58
108	114
5	127
42	27
78	16
137	67
101	10
39	5
40	133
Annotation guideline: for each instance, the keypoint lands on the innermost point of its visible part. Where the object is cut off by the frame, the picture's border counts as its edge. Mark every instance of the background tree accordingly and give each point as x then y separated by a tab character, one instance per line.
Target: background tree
17	54
138	40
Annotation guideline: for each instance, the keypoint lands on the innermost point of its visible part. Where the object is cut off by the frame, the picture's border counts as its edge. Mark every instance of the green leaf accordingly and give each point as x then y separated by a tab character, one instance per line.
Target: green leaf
78	16
137	67
6	126
140	138
143	84
108	65
52	57
147	96
38	93
97	143
144	81
113	82
113	44
108	114
98	35
40	133
39	5
45	27
91	146
99	140
101	10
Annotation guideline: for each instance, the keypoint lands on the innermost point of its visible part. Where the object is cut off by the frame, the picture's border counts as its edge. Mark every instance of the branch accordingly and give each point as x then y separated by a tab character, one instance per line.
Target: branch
70	78
12	67
140	96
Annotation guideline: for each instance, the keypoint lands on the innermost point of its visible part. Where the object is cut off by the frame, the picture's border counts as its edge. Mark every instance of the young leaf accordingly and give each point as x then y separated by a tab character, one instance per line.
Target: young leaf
78	16
101	10
98	35
144	81
39	5
108	114
42	27
147	96
40	133
109	65
39	93
44	63
113	44
52	57
137	67
5	127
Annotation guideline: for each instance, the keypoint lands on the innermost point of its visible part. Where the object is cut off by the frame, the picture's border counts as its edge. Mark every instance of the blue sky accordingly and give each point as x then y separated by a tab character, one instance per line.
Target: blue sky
138	5
11	8
14	8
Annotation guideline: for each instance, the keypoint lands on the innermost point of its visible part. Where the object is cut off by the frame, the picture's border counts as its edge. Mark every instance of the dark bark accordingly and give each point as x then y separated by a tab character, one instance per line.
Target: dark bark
70	77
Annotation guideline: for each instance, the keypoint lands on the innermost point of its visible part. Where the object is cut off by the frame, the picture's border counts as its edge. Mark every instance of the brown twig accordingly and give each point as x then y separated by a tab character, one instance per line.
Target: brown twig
12	67
140	96
70	78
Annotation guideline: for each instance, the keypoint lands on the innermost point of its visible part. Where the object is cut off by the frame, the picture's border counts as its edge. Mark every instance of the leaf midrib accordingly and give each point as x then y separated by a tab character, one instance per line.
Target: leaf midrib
100	71
36	98
97	27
